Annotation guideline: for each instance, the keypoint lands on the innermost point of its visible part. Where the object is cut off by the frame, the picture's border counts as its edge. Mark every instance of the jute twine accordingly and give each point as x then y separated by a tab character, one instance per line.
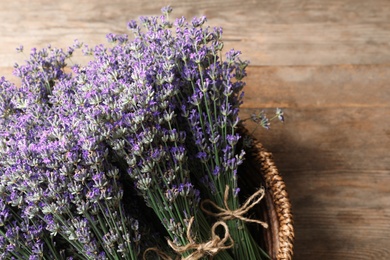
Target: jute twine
210	248
228	214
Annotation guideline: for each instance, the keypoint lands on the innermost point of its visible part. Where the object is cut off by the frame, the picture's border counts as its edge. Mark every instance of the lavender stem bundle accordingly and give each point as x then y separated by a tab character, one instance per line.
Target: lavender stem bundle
212	116
61	196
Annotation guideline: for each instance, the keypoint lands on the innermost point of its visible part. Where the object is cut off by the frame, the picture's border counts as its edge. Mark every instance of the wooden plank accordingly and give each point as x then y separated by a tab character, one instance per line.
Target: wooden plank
289	32
345	216
318	86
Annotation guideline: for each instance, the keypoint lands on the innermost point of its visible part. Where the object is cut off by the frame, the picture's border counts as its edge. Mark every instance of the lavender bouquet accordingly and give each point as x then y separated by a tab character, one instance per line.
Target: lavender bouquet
133	155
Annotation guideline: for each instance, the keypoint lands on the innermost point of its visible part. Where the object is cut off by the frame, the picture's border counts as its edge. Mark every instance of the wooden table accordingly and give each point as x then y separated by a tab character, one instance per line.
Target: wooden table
326	63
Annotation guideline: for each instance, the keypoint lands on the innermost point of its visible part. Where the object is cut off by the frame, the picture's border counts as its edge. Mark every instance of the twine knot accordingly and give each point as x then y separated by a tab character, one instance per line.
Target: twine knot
209	248
228	214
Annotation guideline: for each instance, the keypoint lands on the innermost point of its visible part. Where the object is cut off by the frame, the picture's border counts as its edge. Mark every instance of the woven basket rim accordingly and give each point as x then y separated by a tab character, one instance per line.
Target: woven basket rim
278	201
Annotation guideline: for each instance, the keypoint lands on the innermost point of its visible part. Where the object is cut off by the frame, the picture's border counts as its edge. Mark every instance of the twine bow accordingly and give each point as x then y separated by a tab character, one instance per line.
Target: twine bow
209	248
228	214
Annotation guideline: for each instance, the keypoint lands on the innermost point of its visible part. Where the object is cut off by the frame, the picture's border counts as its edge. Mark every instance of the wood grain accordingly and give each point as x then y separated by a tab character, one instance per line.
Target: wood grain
269	32
332	153
326	63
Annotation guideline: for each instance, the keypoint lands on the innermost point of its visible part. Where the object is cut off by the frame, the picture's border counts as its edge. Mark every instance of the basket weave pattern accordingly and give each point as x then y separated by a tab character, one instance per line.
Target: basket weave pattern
276	208
282	205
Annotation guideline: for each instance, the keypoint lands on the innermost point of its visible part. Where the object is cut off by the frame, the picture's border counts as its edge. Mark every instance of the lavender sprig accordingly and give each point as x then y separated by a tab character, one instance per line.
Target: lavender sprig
58	188
212	89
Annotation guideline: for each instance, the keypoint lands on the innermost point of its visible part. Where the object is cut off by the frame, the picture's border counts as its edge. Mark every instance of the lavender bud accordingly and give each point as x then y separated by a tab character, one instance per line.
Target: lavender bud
279	113
166	10
144	183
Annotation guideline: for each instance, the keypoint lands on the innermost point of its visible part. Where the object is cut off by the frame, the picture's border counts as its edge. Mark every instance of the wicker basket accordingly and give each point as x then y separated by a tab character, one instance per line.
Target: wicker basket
275	209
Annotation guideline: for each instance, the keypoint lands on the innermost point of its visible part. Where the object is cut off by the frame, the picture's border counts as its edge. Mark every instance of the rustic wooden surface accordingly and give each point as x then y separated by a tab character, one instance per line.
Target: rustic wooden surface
326	63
